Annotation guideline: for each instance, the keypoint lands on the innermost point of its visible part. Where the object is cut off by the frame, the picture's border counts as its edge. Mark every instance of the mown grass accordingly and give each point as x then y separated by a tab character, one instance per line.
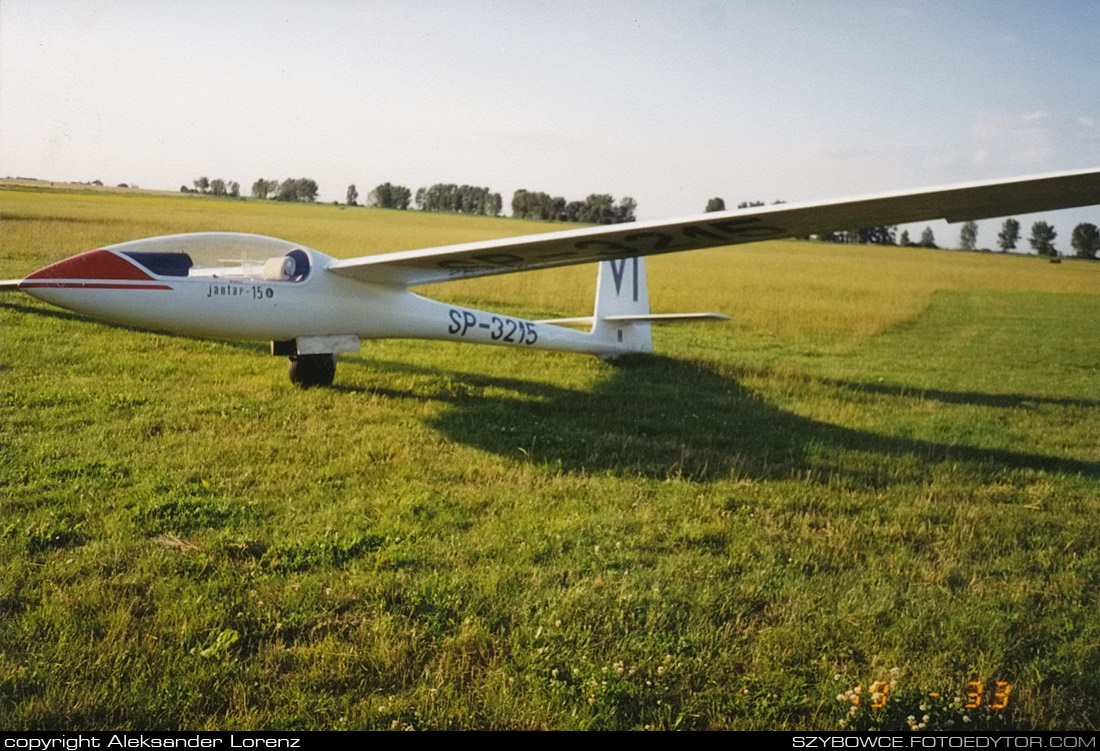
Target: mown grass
885	472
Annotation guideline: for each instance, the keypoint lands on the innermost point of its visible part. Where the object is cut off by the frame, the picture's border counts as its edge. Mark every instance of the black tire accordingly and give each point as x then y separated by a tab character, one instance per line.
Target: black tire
312	370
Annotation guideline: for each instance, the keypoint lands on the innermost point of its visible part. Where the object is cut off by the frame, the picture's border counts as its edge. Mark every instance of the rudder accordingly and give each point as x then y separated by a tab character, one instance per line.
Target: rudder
622	293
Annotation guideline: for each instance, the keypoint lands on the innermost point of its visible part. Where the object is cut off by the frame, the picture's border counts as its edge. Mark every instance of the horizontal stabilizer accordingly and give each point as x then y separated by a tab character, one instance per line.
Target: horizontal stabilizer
648	317
671	317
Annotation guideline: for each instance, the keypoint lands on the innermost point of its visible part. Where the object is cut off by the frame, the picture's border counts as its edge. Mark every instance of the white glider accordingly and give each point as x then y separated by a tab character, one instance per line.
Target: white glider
311	306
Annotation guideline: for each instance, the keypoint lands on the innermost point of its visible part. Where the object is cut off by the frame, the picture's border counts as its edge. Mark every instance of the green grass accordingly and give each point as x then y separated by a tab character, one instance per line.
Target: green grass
884	472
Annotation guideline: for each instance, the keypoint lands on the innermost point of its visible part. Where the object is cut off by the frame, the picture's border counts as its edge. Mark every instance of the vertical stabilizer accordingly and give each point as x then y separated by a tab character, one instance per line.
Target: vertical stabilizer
621	292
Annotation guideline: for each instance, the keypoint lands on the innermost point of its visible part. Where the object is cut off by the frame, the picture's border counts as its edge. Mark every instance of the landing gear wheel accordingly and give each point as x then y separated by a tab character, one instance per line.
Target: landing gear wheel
312	370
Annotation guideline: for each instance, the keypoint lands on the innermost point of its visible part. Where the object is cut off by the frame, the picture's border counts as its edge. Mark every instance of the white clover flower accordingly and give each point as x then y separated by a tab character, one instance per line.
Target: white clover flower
660	670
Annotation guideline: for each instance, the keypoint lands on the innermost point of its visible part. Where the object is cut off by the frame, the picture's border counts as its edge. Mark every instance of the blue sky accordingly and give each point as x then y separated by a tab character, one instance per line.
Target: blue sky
668	102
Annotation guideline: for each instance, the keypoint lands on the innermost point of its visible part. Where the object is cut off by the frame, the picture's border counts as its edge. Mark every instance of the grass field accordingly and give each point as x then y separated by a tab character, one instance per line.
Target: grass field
870	500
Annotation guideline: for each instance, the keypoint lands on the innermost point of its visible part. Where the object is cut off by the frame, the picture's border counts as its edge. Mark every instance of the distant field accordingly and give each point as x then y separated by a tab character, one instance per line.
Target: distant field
885	473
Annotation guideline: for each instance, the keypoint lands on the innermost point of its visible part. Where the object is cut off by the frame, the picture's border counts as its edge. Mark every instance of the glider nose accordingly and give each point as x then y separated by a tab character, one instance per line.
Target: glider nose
94	266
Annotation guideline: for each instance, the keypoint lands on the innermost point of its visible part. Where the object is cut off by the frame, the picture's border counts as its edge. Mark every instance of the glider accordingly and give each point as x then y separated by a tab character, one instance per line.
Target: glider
311	306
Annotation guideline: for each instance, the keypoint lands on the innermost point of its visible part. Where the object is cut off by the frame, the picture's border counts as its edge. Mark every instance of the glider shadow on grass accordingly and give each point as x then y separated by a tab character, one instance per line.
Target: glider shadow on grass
663	418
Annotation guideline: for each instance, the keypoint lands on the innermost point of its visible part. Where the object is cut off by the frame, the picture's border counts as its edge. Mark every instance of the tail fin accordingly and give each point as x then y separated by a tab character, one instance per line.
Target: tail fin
622	306
622	322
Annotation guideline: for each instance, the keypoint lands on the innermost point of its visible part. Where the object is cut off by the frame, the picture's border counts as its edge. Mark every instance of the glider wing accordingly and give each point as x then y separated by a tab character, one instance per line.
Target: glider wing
953	203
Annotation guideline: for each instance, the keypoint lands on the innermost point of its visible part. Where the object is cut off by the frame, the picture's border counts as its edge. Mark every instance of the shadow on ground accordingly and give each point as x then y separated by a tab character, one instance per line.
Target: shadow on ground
659	417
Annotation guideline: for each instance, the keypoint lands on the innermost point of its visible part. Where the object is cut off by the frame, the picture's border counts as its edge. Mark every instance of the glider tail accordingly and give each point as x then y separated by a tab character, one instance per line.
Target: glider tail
622	317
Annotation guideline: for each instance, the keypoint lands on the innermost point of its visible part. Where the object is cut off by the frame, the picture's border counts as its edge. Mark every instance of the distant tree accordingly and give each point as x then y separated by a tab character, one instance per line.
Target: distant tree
185	189
401	197
287	190
904	240
573	211
300	189
217	186
1009	235
233	189
202	185
749	204
353	195
599	209
1042	239
876	235
625	212
716	204
1086	240
927	239
390	196
968	236
264	189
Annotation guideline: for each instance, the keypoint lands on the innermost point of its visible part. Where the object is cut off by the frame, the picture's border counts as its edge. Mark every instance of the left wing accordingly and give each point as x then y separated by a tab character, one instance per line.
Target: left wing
954	203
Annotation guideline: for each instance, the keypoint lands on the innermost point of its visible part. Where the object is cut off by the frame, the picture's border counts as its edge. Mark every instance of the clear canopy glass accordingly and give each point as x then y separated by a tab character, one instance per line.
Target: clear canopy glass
220	254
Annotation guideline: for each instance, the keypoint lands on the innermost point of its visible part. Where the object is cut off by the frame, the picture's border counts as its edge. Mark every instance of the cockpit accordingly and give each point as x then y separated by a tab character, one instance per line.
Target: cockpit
220	255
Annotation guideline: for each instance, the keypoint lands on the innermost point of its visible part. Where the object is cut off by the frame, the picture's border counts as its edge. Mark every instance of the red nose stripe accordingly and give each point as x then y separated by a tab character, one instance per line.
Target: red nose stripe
93	265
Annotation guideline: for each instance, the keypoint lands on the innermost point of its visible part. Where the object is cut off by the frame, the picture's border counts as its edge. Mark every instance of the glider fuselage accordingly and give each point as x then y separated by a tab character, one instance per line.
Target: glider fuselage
228	303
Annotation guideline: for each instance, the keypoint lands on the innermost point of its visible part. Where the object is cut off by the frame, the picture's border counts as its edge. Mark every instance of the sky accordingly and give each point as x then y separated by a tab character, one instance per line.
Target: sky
670	103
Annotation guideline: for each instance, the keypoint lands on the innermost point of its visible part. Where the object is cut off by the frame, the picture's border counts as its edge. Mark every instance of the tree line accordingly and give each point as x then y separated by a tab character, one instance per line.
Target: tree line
217	187
1085	238
598	208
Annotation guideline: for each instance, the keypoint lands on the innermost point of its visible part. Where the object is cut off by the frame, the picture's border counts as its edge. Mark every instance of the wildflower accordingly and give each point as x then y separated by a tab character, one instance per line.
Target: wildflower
554	672
557	623
660	670
926	718
966	718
